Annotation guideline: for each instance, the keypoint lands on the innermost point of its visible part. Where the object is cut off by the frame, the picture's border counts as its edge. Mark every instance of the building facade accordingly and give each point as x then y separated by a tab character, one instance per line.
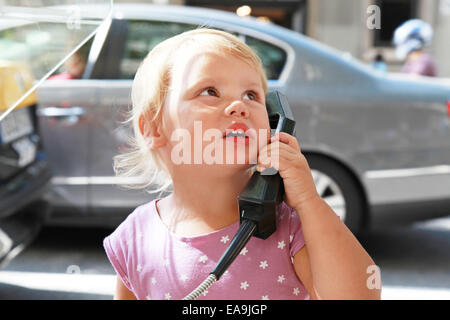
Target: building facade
348	26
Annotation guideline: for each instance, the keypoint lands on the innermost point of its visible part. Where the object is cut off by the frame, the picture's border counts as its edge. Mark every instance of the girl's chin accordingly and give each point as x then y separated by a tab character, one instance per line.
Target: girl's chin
217	171
229	166
227	169
233	160
235	166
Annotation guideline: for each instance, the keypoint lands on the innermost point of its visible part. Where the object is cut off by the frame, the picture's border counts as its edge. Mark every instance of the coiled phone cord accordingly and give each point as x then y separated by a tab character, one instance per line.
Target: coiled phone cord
240	239
202	287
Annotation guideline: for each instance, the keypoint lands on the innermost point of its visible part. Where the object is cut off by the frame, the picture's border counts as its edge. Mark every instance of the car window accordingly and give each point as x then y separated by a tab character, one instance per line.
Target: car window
41	46
75	65
142	36
273	58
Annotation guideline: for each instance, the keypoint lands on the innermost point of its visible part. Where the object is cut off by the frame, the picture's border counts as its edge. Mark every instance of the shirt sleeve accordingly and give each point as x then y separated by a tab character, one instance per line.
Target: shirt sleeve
117	253
295	232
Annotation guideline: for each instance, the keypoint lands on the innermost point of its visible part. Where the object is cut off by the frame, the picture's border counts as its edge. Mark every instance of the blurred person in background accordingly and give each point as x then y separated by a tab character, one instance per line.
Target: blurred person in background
379	64
410	39
75	67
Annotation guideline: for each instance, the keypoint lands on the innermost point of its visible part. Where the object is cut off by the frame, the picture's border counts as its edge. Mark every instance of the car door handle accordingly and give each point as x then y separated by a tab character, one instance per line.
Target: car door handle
52	112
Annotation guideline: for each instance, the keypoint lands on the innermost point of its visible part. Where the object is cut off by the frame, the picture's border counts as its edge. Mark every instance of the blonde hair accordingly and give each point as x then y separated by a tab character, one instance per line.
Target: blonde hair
148	93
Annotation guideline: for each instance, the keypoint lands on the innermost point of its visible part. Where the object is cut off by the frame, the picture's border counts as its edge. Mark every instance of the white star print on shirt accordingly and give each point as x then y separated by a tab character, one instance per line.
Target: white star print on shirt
203	259
263	264
281	244
153	281
183	277
265	297
139	268
296	291
244	251
244	285
281	278
167	296
225	239
291	237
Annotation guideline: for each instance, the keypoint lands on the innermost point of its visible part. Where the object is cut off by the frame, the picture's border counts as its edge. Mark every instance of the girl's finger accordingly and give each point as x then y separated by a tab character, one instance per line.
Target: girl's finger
281	148
264	160
287	139
268	149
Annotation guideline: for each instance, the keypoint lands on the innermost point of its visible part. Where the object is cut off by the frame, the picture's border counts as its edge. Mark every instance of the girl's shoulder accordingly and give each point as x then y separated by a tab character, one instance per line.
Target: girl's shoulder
141	214
289	228
135	223
122	245
287	214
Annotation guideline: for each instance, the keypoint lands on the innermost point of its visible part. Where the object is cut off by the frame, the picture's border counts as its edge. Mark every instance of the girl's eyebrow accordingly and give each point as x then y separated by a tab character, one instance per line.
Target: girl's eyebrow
249	85
253	85
200	82
208	80
256	87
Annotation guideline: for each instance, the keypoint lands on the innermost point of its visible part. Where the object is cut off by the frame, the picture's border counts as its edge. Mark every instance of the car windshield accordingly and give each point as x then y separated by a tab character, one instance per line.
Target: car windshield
42	37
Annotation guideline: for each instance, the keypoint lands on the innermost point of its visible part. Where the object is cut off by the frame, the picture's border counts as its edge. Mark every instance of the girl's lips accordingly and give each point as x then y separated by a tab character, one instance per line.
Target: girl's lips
238	140
239	128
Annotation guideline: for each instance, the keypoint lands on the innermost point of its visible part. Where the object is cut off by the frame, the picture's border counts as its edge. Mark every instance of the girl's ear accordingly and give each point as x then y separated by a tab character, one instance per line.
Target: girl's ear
151	133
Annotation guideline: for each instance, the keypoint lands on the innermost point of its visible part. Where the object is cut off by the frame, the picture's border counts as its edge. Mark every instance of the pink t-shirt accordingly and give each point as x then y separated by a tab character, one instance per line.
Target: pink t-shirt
424	66
155	263
62	76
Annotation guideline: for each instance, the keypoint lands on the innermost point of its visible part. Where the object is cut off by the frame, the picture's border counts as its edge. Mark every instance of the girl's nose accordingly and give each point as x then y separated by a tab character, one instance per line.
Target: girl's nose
237	108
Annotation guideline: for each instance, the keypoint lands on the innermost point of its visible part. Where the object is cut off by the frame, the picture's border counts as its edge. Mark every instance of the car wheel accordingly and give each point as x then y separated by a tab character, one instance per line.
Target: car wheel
339	189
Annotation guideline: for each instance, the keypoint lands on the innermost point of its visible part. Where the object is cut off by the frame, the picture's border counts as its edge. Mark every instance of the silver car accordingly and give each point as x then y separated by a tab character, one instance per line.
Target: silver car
378	145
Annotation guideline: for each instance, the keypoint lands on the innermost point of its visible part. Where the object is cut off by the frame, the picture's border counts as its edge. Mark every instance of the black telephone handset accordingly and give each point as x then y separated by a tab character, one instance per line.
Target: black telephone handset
265	191
258	201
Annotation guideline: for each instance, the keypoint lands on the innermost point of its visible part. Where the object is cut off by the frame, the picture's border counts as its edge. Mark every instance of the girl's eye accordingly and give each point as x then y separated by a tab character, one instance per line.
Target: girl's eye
209	91
251	95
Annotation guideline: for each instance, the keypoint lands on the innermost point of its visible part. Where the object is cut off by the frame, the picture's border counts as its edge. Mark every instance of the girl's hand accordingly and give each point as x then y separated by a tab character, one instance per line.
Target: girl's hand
283	154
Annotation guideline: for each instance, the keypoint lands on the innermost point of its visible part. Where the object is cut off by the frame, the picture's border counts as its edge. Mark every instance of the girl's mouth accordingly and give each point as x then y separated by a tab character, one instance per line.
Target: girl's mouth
237	136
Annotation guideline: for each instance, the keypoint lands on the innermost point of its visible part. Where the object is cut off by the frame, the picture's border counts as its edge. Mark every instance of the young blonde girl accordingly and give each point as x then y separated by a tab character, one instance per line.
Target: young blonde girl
167	247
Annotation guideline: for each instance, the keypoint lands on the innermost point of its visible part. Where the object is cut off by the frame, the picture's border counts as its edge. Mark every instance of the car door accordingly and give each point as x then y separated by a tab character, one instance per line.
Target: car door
78	118
130	41
63	116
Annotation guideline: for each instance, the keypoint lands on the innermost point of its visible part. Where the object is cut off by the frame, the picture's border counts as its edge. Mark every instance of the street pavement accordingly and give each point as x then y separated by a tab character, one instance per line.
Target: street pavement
69	263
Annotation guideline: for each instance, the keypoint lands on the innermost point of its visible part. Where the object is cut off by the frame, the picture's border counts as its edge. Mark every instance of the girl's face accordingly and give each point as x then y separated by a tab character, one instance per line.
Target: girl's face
214	91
